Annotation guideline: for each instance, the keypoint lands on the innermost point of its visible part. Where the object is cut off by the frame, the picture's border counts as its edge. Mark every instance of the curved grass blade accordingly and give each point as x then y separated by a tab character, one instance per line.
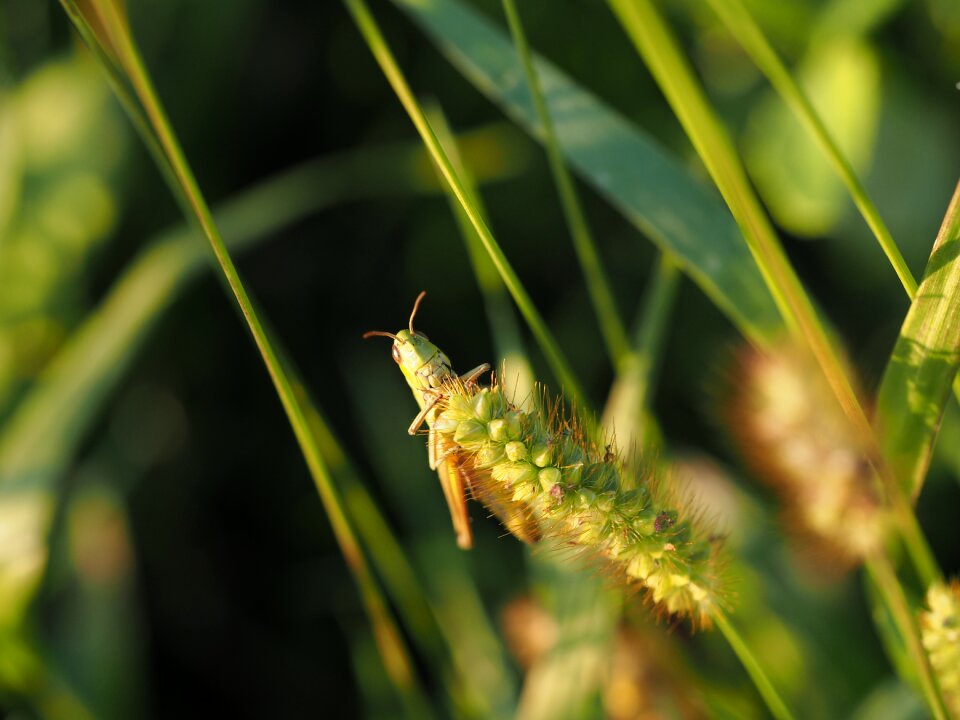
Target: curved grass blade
917	380
106	22
654	191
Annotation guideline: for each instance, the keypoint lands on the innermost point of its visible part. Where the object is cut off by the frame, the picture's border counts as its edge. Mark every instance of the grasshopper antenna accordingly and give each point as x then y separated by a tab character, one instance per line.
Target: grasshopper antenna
371	333
416	306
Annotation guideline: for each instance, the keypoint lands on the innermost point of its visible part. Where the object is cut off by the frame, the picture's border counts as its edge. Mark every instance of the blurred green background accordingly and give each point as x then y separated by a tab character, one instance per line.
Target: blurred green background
190	569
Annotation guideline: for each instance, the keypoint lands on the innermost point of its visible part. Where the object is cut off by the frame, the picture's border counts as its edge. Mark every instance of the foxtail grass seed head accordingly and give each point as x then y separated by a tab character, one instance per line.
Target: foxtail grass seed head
795	436
571	488
940	627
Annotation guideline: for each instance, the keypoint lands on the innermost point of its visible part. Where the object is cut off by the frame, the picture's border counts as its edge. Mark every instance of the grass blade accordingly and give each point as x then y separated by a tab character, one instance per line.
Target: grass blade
917	380
611	327
378	46
39	440
106	17
743	27
776	705
673	73
507	342
653	190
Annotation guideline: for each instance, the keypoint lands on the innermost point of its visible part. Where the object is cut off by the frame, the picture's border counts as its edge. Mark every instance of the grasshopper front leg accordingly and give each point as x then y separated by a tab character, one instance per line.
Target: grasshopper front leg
470	378
430	399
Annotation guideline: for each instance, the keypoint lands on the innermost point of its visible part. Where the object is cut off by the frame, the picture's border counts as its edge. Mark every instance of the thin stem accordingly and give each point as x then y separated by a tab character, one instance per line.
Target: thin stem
389	640
627	413
754	669
743	27
651	330
611	327
375	41
885	580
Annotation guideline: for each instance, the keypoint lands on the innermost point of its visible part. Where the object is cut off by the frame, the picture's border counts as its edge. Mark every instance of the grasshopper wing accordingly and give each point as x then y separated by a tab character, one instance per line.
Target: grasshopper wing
454	485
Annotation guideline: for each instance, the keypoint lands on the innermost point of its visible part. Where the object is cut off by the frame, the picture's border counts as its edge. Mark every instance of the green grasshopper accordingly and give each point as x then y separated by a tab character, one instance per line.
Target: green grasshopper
431	378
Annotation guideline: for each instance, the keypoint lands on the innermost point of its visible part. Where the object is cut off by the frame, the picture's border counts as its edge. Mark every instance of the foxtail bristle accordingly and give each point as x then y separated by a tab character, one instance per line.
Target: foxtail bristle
796	438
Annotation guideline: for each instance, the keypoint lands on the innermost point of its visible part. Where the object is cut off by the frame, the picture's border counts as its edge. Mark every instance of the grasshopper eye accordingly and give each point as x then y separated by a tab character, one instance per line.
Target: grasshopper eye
396	354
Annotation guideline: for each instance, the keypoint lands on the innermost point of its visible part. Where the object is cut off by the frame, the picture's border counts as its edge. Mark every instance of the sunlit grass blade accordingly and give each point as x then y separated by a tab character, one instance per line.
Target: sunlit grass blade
738	20
384	57
113	31
917	380
507	340
656	44
884	578
652	189
743	27
598	287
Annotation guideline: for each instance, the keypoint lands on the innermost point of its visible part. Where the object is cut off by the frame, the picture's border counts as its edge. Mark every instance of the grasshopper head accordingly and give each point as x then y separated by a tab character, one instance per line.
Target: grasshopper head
422	363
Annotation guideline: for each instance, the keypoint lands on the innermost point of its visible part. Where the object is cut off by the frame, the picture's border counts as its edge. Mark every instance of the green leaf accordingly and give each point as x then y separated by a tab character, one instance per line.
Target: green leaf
653	190
916	383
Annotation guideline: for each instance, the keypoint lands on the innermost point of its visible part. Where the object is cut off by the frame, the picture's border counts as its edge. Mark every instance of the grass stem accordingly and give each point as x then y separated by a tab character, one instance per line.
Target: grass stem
753	667
881	572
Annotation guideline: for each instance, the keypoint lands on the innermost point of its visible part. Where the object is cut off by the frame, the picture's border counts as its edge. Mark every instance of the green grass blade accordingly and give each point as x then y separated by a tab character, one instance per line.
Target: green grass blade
384	57
107	18
917	380
653	190
598	287
507	341
743	27
884	578
770	696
